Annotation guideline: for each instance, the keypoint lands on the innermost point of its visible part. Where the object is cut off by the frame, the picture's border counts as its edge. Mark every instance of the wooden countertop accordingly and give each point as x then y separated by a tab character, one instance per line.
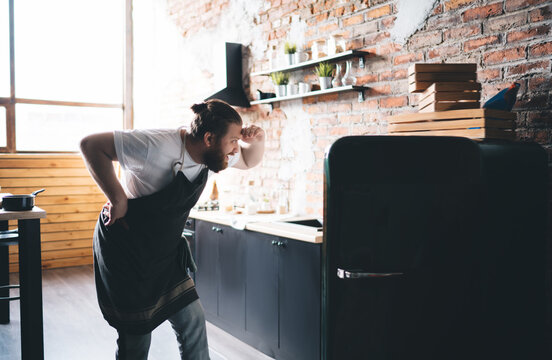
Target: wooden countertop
35	213
264	223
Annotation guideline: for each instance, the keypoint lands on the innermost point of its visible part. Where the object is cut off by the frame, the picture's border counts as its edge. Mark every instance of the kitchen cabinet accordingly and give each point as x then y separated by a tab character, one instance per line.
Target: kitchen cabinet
231	275
206	258
267	289
311	64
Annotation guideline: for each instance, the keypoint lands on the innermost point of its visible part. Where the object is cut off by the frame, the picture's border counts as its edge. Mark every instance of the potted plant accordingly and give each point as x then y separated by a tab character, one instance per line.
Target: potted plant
289	50
280	80
324	72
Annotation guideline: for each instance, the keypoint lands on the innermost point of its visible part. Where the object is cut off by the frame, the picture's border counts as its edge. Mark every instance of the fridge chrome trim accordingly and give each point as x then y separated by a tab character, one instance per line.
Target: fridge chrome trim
356	274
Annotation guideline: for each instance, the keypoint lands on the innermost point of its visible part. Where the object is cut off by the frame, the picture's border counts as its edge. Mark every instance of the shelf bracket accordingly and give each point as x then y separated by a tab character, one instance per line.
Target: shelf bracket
361	96
361	62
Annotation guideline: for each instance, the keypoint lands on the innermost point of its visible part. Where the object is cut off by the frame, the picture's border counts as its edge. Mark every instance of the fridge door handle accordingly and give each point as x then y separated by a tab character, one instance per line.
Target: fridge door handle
356	274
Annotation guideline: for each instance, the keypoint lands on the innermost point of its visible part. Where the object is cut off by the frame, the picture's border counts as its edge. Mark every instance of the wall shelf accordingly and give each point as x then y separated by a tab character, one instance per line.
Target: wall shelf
360	90
332	58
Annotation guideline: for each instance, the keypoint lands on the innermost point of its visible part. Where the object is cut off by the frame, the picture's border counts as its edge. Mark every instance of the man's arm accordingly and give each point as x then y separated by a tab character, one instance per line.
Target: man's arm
251	147
98	151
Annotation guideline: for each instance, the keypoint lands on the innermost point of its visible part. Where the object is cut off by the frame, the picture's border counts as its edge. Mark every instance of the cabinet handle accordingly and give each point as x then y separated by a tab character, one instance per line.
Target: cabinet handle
216	229
274	242
351	274
281	244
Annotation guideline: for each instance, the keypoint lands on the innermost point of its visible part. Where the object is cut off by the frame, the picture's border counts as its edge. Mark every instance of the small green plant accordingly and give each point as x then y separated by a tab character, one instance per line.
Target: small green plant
324	69
279	78
290	48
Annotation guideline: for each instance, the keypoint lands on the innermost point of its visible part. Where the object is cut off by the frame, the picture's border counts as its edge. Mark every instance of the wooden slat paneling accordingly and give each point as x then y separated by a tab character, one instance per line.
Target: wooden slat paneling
55	190
72	202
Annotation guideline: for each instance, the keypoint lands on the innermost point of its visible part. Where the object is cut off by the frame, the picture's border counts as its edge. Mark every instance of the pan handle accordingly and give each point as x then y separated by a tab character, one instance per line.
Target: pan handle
36	192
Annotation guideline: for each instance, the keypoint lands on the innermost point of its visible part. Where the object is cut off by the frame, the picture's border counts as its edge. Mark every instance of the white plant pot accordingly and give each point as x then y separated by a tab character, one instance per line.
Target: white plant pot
280	90
292	89
290	59
325	82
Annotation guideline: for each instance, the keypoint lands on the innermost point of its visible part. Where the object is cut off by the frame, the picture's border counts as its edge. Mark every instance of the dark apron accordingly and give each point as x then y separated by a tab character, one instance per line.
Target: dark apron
140	278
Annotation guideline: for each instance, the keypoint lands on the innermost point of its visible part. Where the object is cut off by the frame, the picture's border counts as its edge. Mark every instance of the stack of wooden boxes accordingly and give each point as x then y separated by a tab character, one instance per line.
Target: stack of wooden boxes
449	105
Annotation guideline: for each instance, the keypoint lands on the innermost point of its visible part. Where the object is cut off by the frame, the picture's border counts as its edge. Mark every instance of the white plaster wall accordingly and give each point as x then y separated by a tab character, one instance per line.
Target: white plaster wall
411	15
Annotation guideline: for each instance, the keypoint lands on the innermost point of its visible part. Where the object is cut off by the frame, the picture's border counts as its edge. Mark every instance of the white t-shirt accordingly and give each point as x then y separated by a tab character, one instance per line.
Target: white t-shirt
151	158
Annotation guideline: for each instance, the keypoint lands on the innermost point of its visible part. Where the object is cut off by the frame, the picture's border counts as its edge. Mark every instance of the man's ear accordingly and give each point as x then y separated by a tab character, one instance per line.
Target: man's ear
209	139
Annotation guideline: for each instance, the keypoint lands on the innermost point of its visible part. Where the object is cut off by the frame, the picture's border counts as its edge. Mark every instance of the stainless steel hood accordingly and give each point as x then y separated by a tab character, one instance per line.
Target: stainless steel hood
233	93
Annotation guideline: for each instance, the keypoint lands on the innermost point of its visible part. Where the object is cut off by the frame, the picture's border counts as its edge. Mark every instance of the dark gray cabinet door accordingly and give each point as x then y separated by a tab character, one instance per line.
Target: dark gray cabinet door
299	294
261	296
231	296
206	277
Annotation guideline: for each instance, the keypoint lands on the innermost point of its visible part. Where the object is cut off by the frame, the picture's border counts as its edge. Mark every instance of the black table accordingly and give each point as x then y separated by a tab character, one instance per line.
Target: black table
30	281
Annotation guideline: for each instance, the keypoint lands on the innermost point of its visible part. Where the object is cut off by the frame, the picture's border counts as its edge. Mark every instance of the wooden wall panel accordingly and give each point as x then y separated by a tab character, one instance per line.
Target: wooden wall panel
72	202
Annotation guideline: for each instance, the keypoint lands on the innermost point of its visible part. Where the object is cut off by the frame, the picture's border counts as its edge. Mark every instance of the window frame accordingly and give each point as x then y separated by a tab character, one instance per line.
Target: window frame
126	105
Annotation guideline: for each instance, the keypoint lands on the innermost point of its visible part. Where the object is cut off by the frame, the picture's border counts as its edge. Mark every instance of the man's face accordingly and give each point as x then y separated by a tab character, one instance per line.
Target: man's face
216	157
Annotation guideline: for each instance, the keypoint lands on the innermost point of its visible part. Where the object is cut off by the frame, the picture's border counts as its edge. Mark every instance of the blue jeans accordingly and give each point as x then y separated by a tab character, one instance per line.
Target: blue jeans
188	325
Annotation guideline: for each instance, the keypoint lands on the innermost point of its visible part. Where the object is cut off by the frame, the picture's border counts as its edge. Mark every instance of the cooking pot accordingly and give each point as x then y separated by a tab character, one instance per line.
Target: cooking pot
19	202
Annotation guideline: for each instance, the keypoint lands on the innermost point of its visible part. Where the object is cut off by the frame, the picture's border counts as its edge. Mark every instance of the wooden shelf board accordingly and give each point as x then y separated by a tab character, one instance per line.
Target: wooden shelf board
310	93
331	58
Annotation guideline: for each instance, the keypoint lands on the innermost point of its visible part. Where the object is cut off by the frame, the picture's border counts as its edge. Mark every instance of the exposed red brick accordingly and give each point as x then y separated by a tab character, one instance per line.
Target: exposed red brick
366	28
482	12
444	51
438	9
328	28
379	90
462	32
527	34
329	4
325	121
350	119
539	83
512	5
328	97
376	38
322	17
539	117
504	23
356	19
389	48
407	58
337	12
388	22
541	14
391	102
488	74
368	78
526	68
455	4
426	39
443	22
379	12
539	101
477	43
540	49
339	130
369	104
504	55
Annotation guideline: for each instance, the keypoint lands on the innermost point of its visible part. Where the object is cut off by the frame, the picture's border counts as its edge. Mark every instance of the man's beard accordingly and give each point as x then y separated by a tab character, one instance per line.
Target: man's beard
215	159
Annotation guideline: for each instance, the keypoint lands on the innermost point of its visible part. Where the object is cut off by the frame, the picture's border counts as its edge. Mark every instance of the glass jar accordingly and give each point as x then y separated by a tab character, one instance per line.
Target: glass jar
318	49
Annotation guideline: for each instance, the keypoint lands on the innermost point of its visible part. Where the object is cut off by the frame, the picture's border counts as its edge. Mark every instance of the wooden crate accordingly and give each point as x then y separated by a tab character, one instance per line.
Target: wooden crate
422	76
471	123
450	96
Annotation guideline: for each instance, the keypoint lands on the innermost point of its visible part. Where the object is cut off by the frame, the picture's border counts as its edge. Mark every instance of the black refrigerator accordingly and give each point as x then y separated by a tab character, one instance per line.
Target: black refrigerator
434	248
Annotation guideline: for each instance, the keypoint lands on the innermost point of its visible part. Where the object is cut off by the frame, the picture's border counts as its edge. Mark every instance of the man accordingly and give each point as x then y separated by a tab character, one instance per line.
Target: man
139	256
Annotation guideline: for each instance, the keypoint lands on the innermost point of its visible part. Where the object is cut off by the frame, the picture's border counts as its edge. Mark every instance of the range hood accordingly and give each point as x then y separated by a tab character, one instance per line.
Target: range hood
233	93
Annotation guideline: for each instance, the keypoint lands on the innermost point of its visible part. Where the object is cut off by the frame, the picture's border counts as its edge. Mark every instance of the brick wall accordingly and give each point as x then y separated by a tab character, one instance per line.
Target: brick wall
510	40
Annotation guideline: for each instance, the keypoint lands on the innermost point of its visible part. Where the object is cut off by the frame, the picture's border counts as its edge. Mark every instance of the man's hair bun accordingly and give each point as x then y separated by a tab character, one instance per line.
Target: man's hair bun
199	108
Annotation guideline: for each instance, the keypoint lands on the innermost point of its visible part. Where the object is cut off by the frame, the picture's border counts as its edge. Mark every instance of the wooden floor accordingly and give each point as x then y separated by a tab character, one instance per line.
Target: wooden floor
75	329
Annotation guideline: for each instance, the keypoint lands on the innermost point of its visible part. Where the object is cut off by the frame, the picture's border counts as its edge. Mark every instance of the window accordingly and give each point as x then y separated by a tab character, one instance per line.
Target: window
68	71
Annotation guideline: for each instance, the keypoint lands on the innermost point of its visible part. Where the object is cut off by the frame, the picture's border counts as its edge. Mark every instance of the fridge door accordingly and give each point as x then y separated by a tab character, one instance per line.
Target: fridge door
400	217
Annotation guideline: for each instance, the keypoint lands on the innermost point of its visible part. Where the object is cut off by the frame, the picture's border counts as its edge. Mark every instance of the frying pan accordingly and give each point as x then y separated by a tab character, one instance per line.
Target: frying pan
19	202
